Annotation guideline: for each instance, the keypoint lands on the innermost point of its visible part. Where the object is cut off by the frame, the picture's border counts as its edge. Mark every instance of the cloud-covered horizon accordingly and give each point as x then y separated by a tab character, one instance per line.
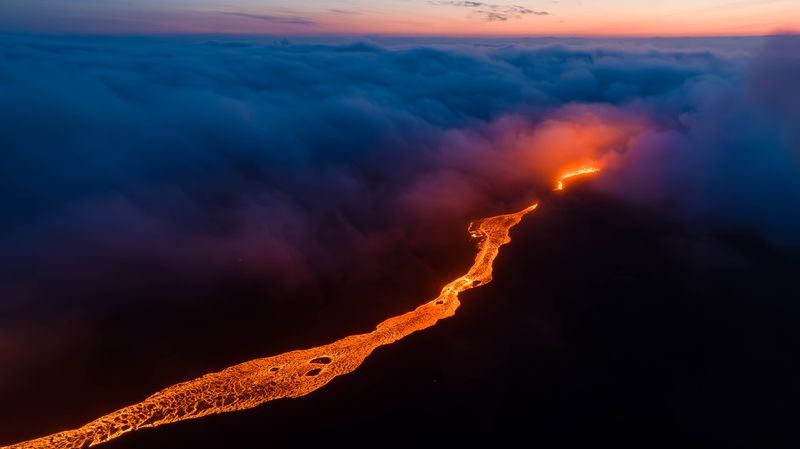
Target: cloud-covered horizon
221	140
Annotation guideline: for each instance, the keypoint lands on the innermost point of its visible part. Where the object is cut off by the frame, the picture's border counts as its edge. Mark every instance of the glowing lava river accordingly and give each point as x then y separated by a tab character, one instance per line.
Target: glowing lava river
295	373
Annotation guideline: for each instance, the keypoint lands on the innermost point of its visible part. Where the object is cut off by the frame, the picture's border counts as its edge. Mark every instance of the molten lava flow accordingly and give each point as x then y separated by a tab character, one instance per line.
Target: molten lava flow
292	374
295	373
573	173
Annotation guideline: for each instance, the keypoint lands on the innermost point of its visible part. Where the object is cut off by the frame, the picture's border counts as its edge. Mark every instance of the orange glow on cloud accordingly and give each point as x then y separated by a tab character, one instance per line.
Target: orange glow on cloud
574	139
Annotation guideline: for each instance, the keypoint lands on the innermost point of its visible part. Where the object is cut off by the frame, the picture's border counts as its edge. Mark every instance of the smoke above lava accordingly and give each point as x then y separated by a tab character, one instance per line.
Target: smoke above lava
184	161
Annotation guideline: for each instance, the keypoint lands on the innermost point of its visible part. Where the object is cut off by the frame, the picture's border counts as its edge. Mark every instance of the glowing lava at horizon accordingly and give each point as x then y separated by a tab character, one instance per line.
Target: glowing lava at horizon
572	174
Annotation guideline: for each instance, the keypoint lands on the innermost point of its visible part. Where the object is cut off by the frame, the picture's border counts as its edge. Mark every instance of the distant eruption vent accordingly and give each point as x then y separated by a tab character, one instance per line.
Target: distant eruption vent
560	184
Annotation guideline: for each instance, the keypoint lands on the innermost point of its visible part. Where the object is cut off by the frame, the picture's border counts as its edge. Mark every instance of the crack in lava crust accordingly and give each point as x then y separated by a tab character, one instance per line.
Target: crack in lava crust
291	374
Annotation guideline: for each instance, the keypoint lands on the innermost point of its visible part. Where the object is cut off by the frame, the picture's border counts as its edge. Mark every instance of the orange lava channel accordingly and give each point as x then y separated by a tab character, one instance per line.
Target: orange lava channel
291	374
572	174
297	373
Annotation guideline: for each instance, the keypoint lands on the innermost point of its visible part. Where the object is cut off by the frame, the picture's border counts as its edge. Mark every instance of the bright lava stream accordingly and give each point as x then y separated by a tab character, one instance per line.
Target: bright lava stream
295	373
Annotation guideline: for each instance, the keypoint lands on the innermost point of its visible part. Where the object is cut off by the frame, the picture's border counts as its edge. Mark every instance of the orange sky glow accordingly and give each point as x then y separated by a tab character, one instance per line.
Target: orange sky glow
408	17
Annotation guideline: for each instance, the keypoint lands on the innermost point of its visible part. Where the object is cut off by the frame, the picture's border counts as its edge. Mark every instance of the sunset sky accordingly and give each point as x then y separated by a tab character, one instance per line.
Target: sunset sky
404	17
